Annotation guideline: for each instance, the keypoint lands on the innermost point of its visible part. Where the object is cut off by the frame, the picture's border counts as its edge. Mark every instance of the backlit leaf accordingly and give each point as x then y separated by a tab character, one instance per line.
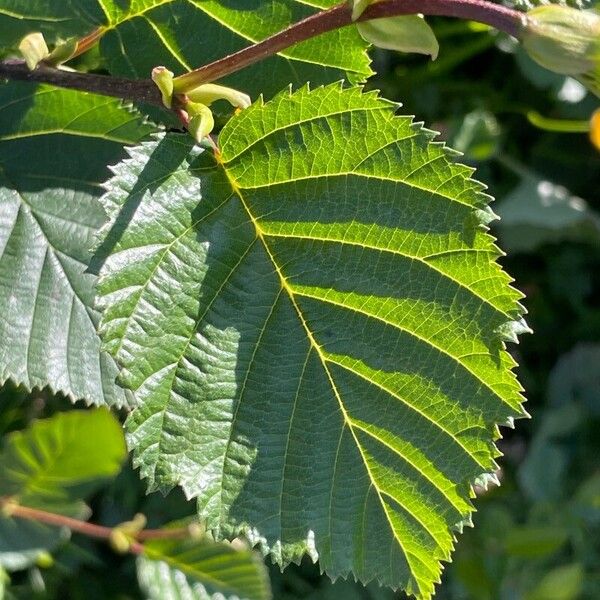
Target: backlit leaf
201	570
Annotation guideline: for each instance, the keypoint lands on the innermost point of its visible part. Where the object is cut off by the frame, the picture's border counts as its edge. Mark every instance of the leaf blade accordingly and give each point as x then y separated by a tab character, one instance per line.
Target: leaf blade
210	570
49	332
336	366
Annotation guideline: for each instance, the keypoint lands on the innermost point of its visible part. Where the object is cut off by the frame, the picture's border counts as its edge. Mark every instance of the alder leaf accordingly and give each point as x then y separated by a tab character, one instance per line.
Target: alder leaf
54	465
201	570
54	148
313	327
185	34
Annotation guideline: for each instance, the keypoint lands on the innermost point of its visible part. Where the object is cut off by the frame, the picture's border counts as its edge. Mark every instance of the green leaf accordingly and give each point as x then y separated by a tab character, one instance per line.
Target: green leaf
409	33
57	462
54	148
561	583
535	541
181	35
201	570
314	329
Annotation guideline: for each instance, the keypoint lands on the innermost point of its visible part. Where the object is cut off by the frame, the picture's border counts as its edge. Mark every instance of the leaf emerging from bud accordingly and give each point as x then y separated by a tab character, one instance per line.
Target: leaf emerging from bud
358	7
407	33
34	49
201	120
62	53
565	40
163	78
208	93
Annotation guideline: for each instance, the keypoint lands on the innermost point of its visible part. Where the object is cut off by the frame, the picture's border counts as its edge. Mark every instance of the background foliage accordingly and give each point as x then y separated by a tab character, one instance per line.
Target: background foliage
536	537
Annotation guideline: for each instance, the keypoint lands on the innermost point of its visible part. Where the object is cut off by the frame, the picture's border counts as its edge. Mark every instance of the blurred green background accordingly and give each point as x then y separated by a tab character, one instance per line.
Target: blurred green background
537	537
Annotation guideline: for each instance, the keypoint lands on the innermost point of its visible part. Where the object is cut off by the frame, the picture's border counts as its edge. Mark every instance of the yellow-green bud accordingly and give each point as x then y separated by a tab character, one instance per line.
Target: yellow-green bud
119	541
201	120
34	49
564	40
134	526
44	560
163	78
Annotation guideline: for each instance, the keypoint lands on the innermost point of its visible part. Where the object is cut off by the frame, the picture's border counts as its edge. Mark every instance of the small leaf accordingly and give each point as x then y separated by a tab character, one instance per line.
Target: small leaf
201	121
163	78
57	462
210	92
200	570
34	50
562	583
408	33
358	7
535	542
539	211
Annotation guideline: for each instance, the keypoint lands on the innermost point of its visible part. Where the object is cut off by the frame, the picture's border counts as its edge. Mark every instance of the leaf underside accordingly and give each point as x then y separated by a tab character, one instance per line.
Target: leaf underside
185	34
54	147
313	326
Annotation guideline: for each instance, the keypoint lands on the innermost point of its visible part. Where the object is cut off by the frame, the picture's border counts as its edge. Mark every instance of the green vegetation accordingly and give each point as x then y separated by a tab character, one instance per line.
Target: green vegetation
297	319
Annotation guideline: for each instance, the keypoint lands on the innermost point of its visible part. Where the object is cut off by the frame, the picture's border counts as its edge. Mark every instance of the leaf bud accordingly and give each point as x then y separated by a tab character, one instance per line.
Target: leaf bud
207	93
201	120
564	40
34	49
62	53
163	78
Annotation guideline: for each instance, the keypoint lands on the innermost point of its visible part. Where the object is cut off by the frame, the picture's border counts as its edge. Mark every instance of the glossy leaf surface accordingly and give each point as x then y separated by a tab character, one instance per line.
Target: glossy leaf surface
54	148
314	329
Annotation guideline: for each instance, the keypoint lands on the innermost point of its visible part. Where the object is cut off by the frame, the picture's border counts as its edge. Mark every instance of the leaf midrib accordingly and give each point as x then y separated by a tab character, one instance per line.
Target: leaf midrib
313	343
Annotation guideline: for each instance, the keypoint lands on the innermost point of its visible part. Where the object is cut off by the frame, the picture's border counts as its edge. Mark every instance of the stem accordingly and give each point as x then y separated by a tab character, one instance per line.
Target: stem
89	529
163	534
496	15
144	90
557	125
134	90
